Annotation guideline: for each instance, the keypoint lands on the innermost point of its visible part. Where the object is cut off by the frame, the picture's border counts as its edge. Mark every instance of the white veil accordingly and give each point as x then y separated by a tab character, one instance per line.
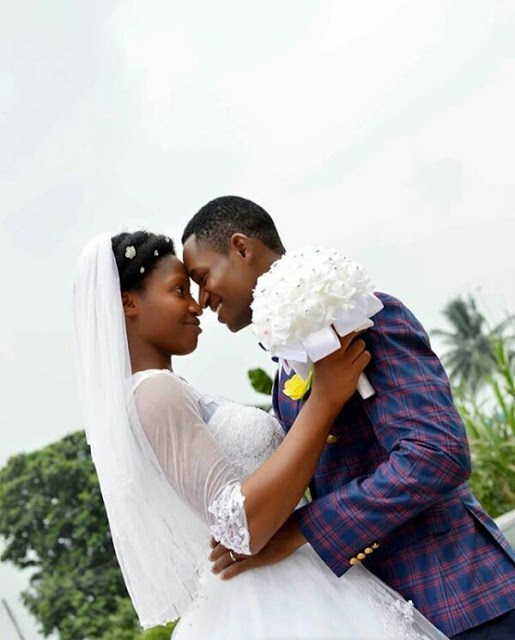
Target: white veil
160	543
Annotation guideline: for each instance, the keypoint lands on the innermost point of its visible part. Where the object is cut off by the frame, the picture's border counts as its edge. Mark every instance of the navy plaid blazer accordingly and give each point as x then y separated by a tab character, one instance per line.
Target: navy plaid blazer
391	485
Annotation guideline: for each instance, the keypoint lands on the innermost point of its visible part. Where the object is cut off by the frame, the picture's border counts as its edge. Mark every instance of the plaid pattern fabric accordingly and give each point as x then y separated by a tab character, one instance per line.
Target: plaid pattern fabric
394	472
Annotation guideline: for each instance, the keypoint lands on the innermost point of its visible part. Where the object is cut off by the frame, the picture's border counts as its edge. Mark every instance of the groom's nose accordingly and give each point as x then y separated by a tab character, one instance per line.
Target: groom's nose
203	298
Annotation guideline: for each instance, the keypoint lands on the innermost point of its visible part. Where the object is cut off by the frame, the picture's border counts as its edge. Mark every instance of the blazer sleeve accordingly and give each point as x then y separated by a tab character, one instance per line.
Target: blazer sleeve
414	419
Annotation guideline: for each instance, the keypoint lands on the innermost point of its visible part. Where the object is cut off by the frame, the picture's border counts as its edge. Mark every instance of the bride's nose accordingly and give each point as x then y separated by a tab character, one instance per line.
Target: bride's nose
194	307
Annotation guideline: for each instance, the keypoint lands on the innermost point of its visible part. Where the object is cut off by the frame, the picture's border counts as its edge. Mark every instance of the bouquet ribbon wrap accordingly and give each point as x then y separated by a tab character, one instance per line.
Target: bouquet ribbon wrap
307	300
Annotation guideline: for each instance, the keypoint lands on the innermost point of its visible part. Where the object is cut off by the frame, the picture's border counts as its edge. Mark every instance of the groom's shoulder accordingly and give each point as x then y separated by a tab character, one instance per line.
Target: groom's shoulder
396	315
390	302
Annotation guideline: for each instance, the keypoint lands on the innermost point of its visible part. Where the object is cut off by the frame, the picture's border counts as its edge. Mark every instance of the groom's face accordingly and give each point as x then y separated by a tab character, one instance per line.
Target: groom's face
225	280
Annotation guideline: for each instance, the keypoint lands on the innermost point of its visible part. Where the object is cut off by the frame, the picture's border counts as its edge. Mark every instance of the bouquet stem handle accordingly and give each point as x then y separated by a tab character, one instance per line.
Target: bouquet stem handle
365	389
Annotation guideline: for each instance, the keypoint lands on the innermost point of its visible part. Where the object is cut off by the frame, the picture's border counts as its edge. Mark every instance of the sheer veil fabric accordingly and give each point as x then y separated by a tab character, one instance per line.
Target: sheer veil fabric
159	541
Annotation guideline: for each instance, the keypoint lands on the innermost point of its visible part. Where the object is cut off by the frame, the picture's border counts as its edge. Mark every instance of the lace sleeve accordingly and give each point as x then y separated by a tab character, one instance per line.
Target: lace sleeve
190	458
231	522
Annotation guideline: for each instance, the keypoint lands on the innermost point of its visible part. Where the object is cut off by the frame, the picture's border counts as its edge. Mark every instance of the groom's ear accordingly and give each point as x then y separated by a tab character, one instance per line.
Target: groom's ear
130	307
242	244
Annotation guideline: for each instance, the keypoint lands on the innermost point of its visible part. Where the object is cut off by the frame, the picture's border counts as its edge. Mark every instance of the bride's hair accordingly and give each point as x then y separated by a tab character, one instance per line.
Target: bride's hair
137	254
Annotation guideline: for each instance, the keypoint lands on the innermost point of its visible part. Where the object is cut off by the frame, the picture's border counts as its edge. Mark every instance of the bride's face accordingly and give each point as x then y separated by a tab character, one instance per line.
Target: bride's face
164	314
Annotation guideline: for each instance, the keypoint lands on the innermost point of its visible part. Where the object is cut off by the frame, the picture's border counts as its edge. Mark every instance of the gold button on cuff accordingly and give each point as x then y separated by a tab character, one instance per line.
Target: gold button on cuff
353	561
376	545
369	550
361	556
331	439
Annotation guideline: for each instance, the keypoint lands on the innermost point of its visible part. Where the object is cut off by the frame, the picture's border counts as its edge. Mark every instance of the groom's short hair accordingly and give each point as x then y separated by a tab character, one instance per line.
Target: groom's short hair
219	219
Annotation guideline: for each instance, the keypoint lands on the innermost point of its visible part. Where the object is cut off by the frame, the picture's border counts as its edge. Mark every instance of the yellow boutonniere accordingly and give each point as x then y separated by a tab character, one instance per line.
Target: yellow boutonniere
296	387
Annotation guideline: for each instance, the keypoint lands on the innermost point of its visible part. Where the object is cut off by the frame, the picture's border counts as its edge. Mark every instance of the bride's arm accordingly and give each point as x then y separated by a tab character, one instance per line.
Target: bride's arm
197	470
273	491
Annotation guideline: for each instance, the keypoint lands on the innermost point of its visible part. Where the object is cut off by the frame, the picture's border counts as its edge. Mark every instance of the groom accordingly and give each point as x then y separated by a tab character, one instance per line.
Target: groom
391	487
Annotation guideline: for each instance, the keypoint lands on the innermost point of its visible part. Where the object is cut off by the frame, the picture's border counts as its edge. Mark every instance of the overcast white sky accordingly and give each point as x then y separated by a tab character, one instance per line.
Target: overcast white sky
383	127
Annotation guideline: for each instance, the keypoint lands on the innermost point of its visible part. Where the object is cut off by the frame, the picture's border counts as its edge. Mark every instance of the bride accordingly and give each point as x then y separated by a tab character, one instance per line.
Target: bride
177	466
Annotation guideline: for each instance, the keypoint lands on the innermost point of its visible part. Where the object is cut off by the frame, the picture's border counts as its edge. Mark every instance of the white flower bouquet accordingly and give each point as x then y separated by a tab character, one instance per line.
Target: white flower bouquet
306	298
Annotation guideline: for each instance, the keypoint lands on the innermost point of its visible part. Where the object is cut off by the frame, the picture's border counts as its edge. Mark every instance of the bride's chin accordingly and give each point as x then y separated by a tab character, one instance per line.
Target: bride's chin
189	348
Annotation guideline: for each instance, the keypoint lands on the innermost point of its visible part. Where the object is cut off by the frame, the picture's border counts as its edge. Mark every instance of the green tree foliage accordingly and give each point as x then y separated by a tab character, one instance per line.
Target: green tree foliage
159	633
260	381
121	625
53	520
491	429
470	358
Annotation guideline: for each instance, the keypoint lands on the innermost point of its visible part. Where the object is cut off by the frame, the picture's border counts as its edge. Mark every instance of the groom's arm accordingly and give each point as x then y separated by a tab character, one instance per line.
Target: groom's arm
415	421
281	545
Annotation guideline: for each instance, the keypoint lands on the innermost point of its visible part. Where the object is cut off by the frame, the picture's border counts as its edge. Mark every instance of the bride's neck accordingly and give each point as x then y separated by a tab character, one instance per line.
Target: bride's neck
145	356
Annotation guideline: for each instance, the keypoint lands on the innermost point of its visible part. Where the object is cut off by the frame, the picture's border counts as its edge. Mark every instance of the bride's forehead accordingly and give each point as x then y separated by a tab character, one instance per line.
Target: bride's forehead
170	266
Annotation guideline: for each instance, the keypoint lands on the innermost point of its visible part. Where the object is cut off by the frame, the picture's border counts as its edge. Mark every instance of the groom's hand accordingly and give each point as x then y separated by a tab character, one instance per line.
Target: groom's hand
282	544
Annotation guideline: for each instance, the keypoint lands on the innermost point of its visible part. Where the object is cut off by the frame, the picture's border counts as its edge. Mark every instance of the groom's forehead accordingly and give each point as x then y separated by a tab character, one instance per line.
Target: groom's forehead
198	254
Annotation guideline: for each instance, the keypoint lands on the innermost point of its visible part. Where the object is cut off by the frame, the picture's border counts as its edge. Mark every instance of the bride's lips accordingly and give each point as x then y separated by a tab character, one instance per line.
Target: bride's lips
195	325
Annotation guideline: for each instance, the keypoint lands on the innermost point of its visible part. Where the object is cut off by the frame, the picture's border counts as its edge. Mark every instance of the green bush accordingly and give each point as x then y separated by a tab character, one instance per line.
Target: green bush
490	426
159	633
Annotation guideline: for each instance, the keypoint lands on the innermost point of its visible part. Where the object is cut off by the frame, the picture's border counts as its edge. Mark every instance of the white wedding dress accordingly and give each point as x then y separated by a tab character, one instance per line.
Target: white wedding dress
205	447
